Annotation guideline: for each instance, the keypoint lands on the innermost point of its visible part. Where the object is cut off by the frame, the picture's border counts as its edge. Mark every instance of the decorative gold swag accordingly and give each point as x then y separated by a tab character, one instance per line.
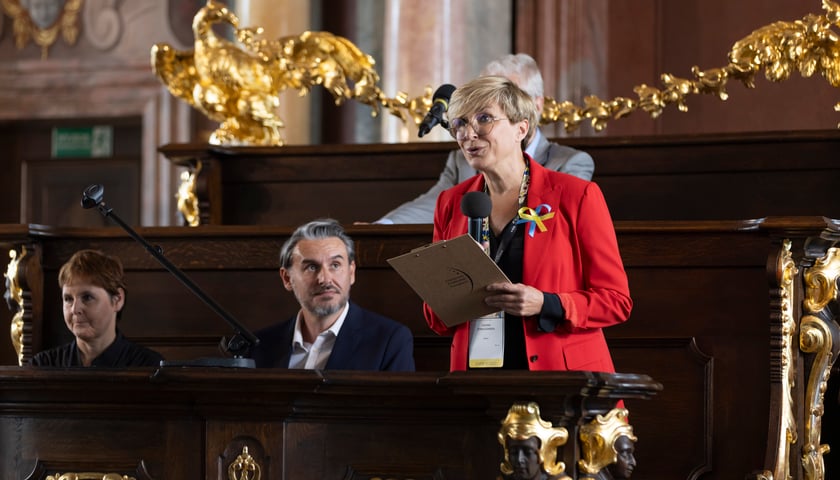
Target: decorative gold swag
239	83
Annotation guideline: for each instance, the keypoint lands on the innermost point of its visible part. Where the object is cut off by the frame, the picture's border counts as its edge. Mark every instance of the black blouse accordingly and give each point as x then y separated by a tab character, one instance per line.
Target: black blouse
511	263
121	353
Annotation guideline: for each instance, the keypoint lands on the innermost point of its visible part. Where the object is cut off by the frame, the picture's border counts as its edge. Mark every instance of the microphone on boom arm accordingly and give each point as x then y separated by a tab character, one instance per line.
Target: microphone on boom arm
238	345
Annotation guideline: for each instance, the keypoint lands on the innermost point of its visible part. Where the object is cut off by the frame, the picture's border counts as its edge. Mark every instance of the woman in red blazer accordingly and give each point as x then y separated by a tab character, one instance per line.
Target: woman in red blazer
550	232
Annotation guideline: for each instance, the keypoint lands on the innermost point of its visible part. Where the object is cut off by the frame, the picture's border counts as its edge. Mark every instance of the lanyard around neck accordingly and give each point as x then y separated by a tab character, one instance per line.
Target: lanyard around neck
509	231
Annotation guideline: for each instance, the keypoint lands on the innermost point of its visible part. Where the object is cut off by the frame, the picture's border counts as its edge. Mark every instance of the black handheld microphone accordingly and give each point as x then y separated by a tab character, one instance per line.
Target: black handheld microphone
476	206
440	103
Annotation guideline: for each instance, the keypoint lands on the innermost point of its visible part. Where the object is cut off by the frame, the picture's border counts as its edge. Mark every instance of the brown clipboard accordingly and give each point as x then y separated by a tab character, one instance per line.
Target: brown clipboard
450	276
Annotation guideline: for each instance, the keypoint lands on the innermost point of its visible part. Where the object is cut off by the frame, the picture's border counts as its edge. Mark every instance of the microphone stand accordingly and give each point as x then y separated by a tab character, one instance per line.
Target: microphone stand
238	345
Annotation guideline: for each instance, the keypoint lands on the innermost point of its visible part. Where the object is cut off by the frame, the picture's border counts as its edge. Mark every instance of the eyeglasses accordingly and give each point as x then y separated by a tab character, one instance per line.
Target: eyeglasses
482	124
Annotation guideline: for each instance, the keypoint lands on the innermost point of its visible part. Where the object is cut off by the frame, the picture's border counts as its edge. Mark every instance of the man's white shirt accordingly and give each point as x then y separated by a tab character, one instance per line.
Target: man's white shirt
314	356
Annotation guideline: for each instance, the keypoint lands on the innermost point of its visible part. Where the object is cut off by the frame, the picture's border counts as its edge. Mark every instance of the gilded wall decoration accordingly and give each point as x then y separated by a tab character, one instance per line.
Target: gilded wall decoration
42	20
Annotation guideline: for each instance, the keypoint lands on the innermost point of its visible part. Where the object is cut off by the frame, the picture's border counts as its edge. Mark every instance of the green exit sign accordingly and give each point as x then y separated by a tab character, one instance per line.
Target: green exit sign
86	142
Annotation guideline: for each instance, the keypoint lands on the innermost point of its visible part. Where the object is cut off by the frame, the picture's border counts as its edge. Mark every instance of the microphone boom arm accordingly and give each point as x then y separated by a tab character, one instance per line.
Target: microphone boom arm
242	341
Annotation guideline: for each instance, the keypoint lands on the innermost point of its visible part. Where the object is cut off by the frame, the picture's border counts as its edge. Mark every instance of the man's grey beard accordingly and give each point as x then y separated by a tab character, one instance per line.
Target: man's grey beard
329	309
324	310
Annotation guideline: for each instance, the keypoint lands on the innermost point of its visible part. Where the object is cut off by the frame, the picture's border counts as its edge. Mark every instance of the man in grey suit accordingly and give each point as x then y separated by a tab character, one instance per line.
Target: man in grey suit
522	70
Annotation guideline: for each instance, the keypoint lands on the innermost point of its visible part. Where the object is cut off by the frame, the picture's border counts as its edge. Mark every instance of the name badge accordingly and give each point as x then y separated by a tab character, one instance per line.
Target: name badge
487	341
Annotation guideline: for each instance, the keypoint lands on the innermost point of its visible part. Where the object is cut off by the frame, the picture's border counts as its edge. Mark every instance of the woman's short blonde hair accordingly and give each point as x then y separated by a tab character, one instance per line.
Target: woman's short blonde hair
484	92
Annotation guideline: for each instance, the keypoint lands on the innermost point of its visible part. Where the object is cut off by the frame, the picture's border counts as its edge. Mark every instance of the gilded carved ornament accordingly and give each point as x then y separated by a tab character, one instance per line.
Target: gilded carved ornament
806	46
523	421
786	273
819	335
42	20
187	198
598	439
238	83
244	467
88	476
14	298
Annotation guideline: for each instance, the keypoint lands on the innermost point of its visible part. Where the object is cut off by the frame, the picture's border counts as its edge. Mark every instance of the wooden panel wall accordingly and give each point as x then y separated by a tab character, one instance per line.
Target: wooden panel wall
693	177
38	188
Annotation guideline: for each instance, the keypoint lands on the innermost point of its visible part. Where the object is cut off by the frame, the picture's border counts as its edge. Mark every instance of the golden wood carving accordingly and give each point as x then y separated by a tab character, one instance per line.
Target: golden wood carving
816	337
42	20
187	197
523	421
89	476
786	272
244	467
14	294
806	46
819	334
239	83
598	439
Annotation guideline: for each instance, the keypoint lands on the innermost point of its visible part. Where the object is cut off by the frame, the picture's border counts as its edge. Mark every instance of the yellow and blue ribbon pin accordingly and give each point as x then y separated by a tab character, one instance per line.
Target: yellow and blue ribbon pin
535	217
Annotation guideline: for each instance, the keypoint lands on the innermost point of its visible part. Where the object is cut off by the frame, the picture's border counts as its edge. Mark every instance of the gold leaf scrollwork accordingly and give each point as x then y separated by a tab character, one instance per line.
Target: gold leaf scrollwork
238	83
808	46
89	476
14	298
244	467
820	281
816	337
786	268
43	22
820	337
